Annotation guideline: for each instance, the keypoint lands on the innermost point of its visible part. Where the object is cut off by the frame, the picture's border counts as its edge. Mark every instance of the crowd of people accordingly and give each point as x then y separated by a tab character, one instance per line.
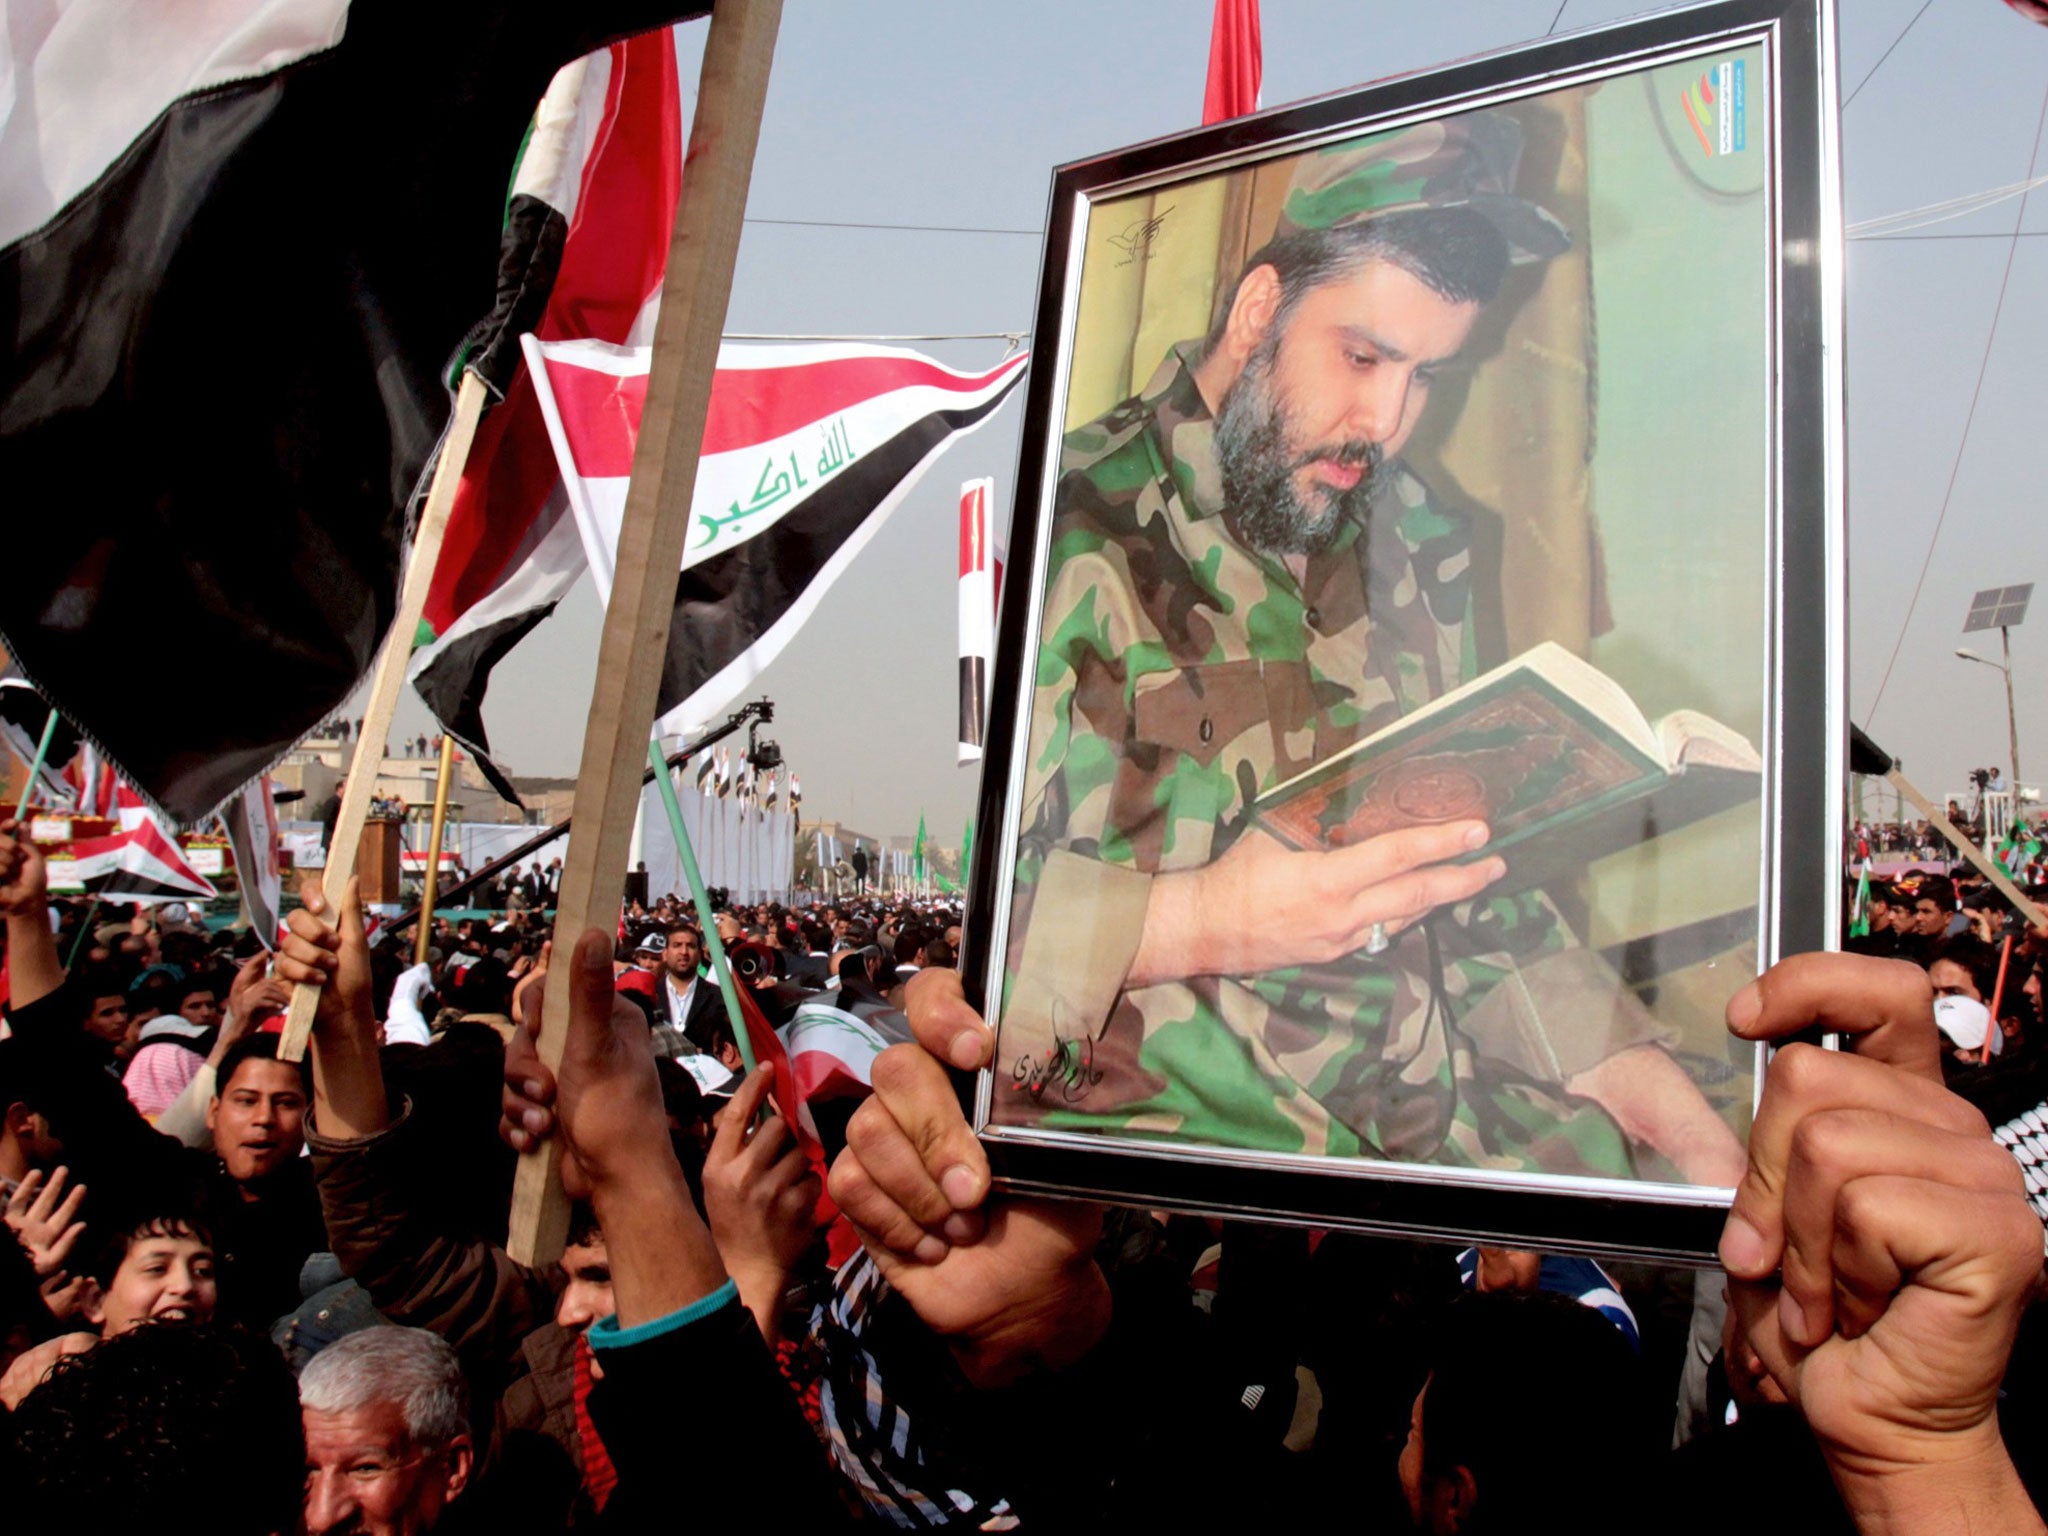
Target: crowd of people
1986	969
249	1294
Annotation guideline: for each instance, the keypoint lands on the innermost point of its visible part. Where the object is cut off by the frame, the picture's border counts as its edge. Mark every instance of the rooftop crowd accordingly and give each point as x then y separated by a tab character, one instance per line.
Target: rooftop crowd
249	1295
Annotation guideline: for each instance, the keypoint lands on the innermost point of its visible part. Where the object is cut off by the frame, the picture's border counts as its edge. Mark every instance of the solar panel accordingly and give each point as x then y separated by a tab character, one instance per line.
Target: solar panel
1998	607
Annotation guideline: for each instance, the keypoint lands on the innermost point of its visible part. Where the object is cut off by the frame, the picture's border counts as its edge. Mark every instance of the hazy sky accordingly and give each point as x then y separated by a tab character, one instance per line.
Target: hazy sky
929	113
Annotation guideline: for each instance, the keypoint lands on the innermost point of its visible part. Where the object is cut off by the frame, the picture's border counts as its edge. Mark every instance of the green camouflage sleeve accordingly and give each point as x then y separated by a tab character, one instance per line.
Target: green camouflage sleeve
1078	910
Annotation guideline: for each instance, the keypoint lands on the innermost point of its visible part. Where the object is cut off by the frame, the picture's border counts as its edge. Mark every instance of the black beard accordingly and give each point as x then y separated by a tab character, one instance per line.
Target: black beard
1261	505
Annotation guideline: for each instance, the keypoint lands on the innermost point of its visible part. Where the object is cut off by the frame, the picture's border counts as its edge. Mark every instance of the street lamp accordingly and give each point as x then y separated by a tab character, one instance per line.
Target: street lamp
2000	608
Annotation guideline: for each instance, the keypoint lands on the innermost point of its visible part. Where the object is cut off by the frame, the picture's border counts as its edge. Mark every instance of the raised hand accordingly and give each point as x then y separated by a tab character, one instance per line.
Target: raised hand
349	1101
1012	1285
336	960
760	1198
605	1103
254	993
1904	1240
44	1220
24	879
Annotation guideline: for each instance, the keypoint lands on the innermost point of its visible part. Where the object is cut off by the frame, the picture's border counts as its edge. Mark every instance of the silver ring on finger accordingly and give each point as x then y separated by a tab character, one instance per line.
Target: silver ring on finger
1377	942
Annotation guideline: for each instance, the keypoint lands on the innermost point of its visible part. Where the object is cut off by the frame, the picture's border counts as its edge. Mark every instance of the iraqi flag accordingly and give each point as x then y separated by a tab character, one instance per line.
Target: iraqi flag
585	247
831	1053
239	241
806	451
137	864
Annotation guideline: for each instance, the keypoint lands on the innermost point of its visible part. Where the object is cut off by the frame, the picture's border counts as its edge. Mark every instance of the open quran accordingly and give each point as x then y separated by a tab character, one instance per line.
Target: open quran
1548	750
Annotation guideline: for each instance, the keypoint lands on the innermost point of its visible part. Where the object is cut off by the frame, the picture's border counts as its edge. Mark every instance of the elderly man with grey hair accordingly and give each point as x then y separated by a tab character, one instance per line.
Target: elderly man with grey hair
387	1434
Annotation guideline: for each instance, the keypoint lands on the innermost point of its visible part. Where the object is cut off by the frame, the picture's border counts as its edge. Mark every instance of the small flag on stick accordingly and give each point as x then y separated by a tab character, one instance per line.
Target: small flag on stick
1859	915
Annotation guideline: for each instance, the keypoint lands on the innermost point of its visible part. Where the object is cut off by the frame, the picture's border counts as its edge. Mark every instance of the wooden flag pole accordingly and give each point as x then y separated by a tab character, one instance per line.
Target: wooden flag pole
425	939
702	248
389	678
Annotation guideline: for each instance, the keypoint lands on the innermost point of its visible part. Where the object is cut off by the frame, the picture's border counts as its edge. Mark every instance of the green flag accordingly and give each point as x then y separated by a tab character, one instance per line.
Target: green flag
2020	847
917	850
1859	914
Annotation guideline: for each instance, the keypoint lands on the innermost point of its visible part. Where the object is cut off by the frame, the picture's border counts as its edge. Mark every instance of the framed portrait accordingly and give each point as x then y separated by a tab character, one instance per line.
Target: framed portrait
1419	690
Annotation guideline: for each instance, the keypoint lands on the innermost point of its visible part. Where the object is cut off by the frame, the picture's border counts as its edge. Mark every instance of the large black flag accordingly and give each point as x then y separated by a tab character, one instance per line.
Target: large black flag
237	247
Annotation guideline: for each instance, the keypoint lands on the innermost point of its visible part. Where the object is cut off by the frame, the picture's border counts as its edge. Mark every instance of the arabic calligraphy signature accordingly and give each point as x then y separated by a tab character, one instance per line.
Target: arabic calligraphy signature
777	483
1136	239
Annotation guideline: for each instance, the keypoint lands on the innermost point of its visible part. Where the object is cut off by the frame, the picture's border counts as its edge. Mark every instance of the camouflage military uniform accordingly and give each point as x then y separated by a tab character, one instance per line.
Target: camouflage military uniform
1179	674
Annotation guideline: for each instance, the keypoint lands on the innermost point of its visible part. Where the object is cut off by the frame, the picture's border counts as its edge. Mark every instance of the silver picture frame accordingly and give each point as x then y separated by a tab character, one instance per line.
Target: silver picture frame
1748	576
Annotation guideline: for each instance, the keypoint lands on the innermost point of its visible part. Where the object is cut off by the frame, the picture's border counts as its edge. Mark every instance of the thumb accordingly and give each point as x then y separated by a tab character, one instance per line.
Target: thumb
352	914
590	983
312	895
252	970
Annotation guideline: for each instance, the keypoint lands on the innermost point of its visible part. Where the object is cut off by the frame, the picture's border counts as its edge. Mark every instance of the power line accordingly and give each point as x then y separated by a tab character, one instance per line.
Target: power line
928	229
2017	234
1887	53
1561	4
1955	469
1946	211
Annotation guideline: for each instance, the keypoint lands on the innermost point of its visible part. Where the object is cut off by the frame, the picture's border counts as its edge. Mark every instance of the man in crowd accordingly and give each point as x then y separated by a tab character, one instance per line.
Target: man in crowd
387	1434
171	1047
1246	578
522	1334
691	1013
107	1018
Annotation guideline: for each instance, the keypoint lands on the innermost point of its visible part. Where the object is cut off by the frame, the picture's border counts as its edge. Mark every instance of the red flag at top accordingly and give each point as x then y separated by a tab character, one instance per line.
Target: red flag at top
1236	62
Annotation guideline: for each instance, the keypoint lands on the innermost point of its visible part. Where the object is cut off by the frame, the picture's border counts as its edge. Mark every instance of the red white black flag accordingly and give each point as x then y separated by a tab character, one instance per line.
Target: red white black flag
981	584
807	449
139	864
587	226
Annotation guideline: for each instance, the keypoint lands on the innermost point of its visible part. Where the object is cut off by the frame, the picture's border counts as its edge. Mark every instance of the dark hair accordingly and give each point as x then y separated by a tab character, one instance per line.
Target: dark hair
1980	960
202	981
90	983
166	1421
483	987
1938	889
857	977
1497	1353
156	988
256	1048
171	1215
1454	252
